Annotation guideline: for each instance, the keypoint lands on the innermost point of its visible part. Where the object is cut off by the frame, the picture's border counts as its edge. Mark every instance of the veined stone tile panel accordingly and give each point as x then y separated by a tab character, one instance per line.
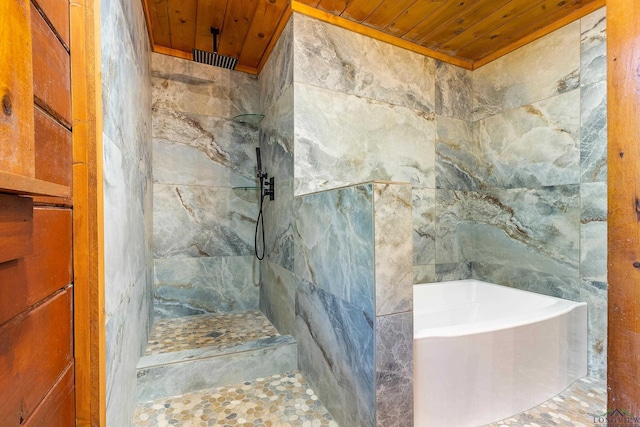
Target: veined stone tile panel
593	47
531	146
593	231
595	295
276	138
278	296
277	74
533	281
218	150
334	58
206	285
334	243
544	68
453	271
393	248
424	225
279	226
344	139
458	158
454	220
394	370
336	353
454	91
530	229
192	221
192	88
593	148
424	274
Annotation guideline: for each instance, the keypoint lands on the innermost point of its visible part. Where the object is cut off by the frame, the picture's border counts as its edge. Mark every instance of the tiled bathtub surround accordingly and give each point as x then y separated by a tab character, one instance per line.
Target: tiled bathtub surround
202	228
354	325
126	99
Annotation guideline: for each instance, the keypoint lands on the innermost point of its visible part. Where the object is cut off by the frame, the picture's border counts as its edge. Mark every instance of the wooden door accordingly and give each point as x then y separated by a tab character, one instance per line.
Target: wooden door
37	371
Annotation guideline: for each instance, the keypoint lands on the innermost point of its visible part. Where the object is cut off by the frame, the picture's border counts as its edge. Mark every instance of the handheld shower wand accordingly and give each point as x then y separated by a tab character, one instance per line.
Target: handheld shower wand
264	181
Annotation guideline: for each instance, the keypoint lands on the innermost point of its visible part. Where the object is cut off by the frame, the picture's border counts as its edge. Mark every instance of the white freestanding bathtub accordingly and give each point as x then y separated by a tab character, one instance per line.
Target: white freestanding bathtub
484	352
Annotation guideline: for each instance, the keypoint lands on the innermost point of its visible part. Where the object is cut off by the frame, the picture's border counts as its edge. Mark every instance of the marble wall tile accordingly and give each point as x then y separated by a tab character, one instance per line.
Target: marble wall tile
206	285
453	271
593	231
126	99
192	88
336	353
424	225
595	295
276	138
533	281
202	150
458	158
454	91
334	58
394	370
334	243
279	226
544	68
393	248
593	148
194	221
278	296
344	139
593	47
530	229
277	74
424	274
531	146
453	226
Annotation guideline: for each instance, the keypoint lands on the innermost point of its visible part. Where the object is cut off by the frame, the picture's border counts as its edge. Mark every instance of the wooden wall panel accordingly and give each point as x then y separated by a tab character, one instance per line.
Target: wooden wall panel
57	408
53	150
623	74
35	349
51	71
25	281
57	12
16	227
16	92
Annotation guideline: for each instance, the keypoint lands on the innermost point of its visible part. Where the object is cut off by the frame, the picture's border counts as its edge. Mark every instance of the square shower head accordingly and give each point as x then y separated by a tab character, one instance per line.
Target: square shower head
215	59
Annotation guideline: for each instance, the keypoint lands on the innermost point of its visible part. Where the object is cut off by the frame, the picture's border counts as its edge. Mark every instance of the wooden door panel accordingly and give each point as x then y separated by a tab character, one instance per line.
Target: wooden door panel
25	281
35	349
51	71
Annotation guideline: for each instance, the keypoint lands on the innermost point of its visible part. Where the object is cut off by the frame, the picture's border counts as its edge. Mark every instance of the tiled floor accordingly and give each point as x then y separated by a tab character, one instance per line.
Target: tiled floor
280	400
222	331
580	405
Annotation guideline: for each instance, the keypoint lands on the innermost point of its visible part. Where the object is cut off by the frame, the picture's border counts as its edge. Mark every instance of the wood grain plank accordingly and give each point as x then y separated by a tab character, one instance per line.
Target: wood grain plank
623	98
359	10
210	14
35	348
47	269
19	184
265	20
51	71
527	22
159	18
16	227
312	3
276	35
53	150
182	24
444	15
57	408
237	21
57	13
16	91
412	16
386	12
335	7
460	23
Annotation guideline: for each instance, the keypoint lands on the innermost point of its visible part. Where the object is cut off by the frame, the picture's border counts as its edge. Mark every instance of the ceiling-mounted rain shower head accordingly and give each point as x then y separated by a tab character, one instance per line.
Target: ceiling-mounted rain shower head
213	58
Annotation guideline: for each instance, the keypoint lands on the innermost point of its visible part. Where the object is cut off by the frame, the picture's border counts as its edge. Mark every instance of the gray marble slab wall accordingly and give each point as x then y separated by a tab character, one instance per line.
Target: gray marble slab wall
128	259
203	220
277	283
354	301
538	162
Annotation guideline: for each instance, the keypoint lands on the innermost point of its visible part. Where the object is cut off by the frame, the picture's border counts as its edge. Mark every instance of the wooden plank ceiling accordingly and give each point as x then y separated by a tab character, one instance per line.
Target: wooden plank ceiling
469	33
